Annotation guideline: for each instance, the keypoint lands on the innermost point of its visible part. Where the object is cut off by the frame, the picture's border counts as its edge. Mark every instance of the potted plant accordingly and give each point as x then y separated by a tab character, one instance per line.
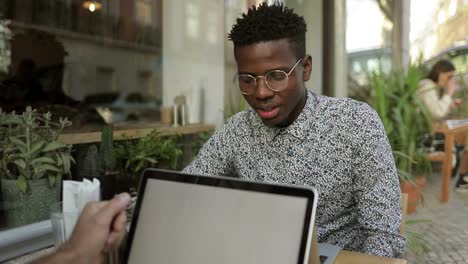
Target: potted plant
406	120
32	164
100	163
152	150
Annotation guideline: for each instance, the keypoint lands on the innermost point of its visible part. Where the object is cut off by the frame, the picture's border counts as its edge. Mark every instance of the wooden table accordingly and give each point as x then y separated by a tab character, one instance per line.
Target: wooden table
344	257
447	156
349	257
132	133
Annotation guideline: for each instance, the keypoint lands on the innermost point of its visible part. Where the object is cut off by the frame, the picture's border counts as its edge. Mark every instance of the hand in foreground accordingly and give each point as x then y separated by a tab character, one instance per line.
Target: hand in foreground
100	228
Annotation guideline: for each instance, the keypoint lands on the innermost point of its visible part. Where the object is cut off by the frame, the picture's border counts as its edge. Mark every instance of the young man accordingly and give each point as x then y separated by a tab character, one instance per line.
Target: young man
293	136
290	136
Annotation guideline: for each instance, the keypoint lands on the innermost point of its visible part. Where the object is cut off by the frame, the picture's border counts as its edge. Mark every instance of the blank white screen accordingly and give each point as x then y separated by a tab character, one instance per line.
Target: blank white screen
187	223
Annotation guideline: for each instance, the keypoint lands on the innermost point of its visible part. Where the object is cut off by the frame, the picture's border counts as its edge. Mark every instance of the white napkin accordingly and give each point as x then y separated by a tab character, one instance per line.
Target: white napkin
75	196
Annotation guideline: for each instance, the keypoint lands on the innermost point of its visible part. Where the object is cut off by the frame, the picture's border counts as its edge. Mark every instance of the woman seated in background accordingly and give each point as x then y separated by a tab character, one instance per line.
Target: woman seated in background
436	92
437	89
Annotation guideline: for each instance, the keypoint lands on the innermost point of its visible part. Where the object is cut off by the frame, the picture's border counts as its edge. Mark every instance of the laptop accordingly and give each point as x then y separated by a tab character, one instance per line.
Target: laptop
182	218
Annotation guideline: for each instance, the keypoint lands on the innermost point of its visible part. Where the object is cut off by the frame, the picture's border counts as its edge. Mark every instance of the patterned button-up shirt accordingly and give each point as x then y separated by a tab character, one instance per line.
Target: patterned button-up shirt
338	146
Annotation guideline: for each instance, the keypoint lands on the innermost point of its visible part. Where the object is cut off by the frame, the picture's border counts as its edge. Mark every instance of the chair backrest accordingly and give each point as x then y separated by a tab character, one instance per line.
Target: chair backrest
404	211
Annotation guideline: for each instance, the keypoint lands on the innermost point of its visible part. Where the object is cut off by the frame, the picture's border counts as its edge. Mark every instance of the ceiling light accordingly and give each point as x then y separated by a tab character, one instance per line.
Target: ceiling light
92	5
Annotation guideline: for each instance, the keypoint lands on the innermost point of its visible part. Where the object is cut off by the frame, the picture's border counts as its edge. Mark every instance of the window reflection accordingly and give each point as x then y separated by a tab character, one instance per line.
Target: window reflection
59	52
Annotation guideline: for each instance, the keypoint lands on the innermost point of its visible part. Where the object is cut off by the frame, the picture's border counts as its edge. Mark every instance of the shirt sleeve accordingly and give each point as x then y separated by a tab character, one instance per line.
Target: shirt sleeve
376	188
215	157
438	107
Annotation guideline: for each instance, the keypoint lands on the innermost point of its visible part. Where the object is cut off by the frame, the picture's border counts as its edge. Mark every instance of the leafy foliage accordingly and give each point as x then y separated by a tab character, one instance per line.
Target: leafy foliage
200	139
405	118
91	166
106	150
29	149
417	244
146	152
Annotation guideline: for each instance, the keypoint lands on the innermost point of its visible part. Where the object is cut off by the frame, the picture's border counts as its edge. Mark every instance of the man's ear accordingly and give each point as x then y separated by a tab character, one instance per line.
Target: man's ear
307	67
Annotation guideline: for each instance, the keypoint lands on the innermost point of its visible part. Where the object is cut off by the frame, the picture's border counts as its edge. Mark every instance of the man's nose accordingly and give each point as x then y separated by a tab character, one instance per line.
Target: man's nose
263	91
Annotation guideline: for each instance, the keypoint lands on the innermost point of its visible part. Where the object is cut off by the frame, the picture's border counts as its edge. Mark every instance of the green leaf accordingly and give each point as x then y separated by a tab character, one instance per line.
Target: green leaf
52	179
53	146
47	167
20	163
22	183
17	141
19	144
66	162
41	160
36	147
151	160
39	175
417	221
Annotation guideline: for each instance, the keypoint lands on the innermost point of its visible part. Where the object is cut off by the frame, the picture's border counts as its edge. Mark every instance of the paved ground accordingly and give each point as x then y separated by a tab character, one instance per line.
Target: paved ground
447	233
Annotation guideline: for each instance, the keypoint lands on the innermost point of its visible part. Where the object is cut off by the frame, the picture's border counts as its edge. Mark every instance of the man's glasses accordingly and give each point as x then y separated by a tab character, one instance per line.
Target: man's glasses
276	80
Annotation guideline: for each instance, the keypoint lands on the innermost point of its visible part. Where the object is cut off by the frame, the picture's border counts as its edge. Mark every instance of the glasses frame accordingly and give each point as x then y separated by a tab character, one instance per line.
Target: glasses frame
236	77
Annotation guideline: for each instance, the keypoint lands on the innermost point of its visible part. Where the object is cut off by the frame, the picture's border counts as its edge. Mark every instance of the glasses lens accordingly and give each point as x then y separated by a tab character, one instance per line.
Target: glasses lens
277	80
246	83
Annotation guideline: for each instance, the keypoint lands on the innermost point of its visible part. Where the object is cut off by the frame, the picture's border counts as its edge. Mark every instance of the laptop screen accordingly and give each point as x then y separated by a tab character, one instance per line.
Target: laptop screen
213	220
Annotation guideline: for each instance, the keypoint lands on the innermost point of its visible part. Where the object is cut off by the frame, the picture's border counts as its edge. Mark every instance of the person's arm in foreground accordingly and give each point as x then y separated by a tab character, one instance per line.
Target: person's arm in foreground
100	228
376	188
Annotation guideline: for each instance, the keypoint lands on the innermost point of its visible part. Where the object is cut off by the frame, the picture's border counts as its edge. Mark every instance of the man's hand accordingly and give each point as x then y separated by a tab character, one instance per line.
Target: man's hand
100	228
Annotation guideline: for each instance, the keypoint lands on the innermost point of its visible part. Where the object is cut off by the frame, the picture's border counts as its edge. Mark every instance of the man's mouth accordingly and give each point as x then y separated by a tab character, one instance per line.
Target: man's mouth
268	113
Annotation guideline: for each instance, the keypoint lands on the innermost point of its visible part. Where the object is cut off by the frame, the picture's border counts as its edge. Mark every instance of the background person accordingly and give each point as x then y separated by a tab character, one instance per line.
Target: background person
436	92
437	89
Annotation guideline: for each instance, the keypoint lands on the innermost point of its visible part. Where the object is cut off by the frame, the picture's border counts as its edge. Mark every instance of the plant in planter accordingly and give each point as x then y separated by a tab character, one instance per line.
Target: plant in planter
106	151
417	244
406	120
32	164
101	164
153	150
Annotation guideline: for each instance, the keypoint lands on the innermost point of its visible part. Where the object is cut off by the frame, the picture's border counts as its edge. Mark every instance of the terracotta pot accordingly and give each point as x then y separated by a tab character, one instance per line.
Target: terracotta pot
414	190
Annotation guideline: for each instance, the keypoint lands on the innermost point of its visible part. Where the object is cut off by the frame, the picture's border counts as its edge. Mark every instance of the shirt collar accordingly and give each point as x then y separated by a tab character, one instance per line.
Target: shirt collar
298	129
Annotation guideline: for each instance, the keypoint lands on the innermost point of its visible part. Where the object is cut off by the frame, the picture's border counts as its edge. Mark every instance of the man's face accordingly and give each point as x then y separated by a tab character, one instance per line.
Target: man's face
274	108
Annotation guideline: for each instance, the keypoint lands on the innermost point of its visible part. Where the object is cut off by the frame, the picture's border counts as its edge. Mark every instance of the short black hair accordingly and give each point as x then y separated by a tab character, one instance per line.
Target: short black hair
440	66
270	22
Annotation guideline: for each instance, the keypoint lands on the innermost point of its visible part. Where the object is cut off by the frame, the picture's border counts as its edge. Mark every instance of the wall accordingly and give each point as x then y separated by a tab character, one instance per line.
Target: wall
312	10
85	58
193	54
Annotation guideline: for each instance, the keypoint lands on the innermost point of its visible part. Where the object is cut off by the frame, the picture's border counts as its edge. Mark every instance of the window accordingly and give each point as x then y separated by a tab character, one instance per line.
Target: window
144	82
356	67
192	12
373	65
134	98
104	79
144	11
4	50
61	57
